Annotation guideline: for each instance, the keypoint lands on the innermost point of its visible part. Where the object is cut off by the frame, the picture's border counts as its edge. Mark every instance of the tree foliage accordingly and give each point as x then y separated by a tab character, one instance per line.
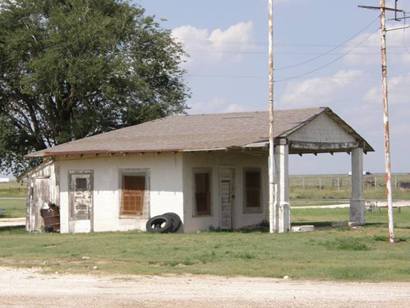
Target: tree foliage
74	68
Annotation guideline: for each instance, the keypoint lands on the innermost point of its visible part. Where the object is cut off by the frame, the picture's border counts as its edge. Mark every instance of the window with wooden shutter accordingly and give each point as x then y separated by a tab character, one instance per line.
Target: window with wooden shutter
252	189
202	193
133	191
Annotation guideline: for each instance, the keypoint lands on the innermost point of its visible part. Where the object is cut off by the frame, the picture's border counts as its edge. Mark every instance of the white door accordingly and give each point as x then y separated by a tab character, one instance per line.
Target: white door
226	196
81	201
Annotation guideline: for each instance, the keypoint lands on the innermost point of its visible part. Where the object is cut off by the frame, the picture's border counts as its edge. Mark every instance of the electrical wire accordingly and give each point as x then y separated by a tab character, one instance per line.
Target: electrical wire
330	50
304	62
321	67
404	34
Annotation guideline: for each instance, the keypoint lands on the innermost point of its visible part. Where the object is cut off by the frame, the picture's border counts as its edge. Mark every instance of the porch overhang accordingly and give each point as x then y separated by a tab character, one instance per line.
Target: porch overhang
304	147
308	147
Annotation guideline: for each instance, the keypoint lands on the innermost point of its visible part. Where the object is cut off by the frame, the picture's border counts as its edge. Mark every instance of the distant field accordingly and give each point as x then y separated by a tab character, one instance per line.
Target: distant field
13	208
335	189
12	189
12	199
325	217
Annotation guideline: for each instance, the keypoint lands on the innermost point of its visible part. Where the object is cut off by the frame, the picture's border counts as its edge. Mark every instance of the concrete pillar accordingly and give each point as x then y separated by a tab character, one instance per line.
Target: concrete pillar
357	204
282	188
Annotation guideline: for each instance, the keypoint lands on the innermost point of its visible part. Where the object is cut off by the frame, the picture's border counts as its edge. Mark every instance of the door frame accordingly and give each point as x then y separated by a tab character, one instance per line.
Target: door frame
223	174
70	198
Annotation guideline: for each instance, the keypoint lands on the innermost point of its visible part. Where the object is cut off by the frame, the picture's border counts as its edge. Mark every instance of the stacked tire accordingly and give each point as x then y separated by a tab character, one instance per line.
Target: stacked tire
166	223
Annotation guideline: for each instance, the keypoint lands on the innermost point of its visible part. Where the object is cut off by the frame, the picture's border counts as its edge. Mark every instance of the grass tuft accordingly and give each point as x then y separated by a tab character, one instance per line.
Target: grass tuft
351	244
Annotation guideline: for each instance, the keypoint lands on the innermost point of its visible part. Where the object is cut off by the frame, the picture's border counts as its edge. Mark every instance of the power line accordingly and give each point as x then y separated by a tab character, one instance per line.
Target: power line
280	45
330	50
293	53
404	34
326	64
321	67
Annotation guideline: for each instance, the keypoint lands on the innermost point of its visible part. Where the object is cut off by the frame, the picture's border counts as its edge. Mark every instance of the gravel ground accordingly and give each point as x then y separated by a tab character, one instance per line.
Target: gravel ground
31	288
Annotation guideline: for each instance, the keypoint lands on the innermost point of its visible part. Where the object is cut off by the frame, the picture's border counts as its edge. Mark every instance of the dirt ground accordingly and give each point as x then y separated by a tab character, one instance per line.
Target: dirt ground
31	288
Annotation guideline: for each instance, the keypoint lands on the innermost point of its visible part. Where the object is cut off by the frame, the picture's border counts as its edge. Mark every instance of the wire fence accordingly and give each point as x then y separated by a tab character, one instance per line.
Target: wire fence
343	182
11	189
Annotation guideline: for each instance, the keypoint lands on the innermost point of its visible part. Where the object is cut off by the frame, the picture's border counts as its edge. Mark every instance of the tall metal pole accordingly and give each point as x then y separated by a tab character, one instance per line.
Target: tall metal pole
273	226
387	157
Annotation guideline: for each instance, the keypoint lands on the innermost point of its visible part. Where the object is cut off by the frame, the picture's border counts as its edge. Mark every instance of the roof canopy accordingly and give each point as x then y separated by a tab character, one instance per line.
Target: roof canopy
207	132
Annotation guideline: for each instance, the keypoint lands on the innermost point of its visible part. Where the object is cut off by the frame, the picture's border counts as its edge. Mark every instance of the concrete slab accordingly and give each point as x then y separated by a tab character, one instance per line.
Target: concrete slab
12	222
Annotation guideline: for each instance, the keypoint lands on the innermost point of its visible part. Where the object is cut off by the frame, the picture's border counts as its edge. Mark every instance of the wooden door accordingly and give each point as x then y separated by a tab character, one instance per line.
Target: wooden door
40	196
226	195
133	191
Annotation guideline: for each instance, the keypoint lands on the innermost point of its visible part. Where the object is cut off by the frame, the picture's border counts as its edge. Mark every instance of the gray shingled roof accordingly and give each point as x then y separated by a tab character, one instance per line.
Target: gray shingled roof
192	133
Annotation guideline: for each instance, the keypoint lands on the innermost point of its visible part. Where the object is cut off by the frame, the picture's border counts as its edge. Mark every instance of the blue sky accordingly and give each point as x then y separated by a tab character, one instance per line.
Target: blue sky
227	70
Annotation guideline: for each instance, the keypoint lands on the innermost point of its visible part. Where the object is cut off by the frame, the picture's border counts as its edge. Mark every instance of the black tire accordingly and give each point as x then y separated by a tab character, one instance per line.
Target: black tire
176	221
159	224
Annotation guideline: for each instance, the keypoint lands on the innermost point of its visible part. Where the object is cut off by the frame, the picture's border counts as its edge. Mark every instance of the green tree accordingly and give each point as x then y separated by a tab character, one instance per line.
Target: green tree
74	68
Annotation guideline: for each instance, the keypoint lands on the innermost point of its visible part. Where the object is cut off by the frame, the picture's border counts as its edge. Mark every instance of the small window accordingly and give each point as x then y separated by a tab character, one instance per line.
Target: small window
202	193
252	189
133	193
80	184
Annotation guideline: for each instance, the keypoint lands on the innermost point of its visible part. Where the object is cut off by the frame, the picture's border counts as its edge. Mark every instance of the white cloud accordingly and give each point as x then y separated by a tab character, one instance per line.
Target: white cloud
365	48
398	91
213	46
320	90
217	105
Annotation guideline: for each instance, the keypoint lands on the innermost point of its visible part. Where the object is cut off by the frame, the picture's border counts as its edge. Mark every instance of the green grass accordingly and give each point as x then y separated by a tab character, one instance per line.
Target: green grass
324	217
327	254
11	201
12	189
328	196
13	208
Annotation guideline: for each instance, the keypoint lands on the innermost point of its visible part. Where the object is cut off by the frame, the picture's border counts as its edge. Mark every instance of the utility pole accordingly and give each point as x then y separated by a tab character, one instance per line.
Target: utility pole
273	211
387	153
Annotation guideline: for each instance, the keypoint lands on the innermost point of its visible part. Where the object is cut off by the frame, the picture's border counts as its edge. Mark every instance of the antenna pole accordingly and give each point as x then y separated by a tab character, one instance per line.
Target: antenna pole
273	212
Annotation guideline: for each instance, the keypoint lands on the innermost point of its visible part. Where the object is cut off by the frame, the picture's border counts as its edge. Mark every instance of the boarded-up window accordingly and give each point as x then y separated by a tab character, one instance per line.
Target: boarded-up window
252	188
202	193
133	190
80	184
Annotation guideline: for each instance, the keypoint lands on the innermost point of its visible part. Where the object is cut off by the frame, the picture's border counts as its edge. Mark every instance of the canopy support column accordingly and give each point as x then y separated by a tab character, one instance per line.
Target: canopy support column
282	187
357	203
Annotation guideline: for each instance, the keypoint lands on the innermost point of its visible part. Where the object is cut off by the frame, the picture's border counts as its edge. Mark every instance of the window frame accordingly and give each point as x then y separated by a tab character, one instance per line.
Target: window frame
246	209
196	171
145	208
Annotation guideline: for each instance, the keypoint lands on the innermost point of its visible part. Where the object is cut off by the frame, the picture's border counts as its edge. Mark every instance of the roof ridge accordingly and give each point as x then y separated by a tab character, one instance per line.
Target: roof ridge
246	112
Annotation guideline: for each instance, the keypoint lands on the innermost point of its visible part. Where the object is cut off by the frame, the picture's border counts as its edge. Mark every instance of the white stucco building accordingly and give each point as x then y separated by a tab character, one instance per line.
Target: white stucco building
211	170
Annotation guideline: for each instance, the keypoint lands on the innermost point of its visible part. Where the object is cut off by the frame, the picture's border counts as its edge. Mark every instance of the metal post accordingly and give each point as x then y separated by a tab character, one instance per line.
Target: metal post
383	33
273	213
